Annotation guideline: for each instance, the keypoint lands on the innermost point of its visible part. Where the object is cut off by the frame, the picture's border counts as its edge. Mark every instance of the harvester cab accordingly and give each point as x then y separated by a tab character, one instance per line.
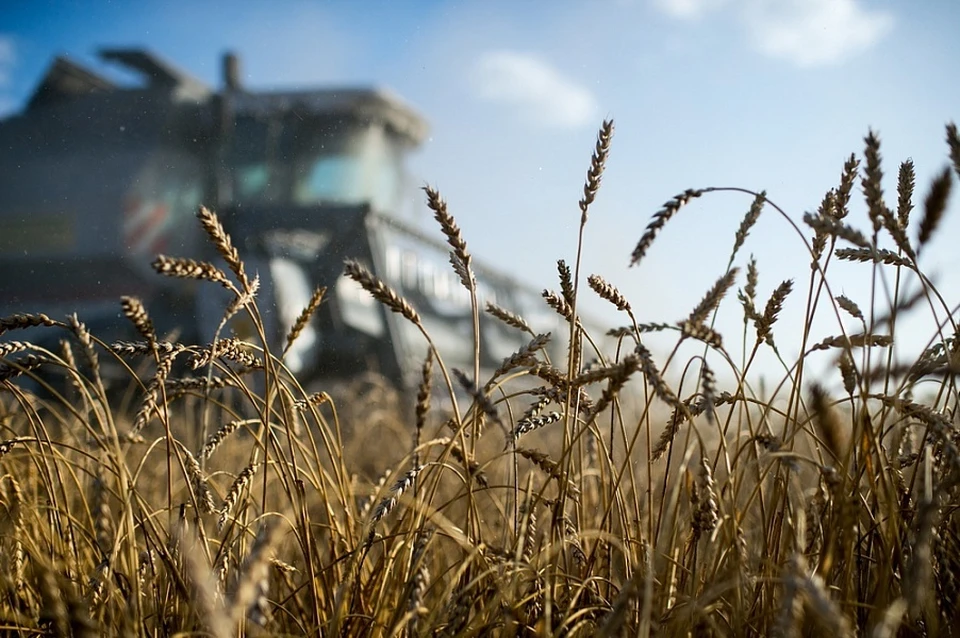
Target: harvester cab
301	176
97	177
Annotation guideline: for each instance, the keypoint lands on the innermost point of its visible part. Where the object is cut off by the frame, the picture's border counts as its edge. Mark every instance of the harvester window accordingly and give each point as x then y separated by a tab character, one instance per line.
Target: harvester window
315	160
256	160
293	292
409	277
442	287
348	164
252	181
359	309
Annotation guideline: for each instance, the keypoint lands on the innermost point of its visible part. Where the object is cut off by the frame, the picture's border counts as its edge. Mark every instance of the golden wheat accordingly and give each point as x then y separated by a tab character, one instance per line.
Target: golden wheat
654	493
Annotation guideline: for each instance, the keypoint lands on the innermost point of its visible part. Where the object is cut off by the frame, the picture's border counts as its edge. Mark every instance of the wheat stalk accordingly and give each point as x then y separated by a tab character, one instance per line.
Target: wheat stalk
223	244
714	296
214	440
380	291
304	318
875	255
462	260
233	494
598	162
511	319
906	180
182	268
396	491
607	291
527	425
20	321
764	323
748	222
660	219
134	310
934	206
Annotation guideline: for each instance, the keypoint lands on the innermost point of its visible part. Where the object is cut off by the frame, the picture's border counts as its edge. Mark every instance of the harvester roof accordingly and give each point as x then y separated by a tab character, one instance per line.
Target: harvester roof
367	104
66	81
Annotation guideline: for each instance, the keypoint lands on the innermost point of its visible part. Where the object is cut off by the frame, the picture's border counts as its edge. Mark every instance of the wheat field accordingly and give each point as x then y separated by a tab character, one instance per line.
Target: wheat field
219	497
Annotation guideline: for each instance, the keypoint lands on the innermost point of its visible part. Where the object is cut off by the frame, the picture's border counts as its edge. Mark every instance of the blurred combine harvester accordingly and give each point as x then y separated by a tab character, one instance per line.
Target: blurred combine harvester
97	178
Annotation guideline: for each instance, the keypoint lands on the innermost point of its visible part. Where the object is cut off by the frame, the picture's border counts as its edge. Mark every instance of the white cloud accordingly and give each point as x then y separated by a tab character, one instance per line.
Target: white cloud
537	89
687	9
805	32
814	32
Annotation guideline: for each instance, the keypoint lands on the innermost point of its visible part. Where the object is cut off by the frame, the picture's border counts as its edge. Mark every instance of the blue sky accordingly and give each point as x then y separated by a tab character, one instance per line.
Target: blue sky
764	94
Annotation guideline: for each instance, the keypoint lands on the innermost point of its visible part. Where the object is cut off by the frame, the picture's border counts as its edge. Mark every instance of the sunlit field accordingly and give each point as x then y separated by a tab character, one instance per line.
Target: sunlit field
624	489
